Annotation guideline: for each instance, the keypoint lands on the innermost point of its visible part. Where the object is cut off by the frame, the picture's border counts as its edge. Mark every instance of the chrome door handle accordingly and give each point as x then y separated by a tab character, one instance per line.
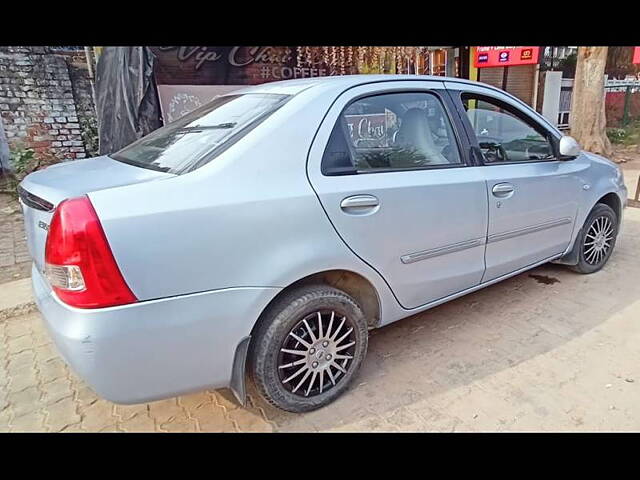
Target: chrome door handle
359	203
502	190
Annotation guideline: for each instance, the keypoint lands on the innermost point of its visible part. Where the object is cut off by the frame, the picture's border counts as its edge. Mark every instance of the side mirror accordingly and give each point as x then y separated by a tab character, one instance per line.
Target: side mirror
569	147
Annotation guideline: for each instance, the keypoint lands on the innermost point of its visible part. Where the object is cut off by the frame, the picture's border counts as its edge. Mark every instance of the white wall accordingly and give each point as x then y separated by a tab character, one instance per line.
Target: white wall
551	98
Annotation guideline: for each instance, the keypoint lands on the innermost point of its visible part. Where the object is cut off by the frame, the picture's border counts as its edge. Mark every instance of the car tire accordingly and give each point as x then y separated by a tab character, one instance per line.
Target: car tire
597	239
328	331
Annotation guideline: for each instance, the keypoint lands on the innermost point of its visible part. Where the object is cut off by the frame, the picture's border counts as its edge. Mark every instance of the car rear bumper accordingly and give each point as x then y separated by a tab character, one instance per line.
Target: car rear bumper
154	349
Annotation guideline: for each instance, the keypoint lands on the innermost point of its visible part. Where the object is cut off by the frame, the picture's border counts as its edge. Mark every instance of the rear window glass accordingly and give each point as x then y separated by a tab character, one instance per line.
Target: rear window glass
194	139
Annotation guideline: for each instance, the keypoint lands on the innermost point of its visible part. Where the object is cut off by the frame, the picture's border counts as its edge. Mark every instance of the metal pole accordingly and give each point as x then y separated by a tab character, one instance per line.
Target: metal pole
536	85
5	163
627	102
87	54
505	77
89	57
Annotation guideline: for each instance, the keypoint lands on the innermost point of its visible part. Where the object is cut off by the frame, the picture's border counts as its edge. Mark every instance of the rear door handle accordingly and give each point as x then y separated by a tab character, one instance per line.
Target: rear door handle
502	190
359	204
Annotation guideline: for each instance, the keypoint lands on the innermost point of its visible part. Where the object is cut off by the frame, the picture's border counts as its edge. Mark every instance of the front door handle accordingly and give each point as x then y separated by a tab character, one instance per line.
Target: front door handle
359	204
502	190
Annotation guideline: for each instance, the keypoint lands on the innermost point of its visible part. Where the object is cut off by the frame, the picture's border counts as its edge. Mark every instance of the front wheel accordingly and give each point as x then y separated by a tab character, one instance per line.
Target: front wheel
308	348
597	239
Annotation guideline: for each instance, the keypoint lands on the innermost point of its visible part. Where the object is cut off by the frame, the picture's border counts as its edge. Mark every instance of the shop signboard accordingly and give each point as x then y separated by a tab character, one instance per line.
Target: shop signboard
505	56
195	65
368	130
636	55
191	76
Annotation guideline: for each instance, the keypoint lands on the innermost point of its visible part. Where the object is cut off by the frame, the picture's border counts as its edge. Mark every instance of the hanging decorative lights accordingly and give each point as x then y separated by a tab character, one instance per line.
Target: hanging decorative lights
344	59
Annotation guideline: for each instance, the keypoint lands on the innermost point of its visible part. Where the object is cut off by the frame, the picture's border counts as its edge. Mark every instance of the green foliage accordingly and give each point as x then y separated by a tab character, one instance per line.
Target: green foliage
22	160
629	135
396	157
568	66
617	135
89	126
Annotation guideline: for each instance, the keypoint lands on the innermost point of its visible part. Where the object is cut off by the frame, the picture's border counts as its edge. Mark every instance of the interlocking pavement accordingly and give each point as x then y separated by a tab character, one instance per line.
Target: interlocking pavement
38	392
14	256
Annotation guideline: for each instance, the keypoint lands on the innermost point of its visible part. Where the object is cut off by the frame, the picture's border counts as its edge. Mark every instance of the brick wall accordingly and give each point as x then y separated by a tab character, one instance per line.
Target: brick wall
38	107
83	98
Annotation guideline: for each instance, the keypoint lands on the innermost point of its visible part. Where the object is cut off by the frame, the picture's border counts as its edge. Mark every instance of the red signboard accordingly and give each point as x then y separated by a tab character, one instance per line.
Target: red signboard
505	56
636	55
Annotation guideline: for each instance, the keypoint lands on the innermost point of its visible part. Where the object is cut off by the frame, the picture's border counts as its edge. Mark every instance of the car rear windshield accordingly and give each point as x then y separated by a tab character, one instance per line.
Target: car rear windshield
196	138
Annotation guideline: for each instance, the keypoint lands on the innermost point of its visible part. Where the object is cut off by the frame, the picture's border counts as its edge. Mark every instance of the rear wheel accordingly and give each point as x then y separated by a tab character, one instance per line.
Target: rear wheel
597	239
308	348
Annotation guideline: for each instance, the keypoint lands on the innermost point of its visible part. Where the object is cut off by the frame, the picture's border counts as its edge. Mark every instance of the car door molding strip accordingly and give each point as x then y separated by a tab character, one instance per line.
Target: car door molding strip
435	252
497	237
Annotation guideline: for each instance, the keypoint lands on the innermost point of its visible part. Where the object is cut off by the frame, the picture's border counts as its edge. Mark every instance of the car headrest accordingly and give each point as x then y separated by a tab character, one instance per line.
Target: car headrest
415	134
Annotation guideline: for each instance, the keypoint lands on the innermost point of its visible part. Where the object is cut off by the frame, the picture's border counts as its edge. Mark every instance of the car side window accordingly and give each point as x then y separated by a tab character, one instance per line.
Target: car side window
394	131
503	136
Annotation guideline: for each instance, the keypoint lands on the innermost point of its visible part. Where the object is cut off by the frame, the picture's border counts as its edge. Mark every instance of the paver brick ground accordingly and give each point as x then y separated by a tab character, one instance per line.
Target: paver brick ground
15	262
546	350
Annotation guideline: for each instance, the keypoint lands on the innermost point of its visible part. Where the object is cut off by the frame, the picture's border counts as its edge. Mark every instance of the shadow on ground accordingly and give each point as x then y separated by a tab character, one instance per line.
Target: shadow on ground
475	336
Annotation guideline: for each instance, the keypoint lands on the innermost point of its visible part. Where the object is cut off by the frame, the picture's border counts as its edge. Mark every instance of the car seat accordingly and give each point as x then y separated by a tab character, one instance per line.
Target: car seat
415	136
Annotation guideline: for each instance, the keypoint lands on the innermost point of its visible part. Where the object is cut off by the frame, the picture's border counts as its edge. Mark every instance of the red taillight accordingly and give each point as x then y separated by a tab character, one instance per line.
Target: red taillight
79	263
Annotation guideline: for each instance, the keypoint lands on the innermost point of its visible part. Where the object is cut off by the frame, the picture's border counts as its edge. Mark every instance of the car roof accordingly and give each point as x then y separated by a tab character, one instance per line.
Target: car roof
292	87
295	86
344	82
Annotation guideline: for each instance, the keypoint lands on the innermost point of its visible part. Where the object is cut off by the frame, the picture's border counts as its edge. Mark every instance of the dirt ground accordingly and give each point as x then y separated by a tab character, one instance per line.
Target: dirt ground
629	160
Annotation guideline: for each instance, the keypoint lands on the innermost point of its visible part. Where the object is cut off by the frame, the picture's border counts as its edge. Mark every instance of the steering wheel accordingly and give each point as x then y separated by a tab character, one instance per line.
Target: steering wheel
492	149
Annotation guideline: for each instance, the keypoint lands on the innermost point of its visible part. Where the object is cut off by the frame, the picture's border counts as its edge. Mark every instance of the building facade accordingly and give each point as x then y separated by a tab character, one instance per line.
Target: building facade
187	77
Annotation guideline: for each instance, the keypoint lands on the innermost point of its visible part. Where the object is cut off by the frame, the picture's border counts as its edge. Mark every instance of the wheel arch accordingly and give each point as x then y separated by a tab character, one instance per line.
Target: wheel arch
352	283
612	200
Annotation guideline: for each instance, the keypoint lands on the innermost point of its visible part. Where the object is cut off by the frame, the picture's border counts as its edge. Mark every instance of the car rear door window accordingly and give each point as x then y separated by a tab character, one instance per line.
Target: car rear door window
395	131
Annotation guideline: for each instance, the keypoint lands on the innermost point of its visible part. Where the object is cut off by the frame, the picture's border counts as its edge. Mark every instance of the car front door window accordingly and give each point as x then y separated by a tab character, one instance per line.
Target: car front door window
503	135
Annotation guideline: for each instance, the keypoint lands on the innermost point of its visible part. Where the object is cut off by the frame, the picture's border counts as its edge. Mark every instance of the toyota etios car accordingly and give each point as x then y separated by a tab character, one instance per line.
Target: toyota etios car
266	232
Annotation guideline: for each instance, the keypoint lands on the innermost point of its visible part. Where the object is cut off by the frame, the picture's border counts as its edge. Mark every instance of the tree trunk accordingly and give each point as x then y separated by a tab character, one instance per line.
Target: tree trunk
588	119
619	62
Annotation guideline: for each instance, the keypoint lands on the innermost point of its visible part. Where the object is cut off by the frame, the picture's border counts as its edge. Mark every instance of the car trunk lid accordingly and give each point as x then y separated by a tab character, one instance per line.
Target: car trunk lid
41	191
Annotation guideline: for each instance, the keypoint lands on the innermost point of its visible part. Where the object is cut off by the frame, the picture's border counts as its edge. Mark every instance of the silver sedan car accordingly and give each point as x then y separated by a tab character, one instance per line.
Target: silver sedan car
264	234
